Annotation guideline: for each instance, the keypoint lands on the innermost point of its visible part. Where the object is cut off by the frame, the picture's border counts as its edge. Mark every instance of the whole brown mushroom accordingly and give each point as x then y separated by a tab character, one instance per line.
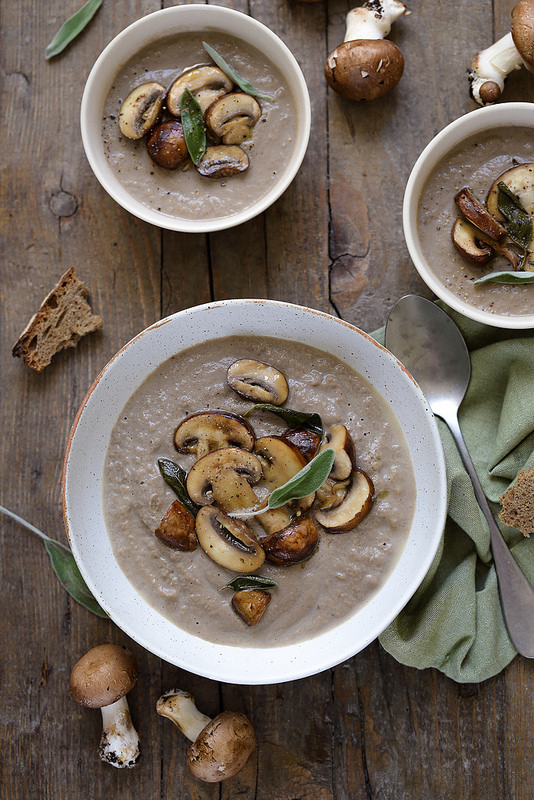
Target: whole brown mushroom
101	679
366	66
220	746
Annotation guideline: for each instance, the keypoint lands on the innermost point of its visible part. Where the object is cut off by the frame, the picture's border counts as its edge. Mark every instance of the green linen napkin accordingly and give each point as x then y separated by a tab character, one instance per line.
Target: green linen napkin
454	621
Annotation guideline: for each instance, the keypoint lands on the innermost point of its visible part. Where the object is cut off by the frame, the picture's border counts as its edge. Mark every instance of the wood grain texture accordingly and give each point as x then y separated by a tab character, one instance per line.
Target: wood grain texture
370	728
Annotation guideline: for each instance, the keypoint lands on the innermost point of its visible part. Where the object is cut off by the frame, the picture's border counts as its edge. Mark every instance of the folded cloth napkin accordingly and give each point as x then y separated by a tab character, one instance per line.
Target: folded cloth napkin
454	621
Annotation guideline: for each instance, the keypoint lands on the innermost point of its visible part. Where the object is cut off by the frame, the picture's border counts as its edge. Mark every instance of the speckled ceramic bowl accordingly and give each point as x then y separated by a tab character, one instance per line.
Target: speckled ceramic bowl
150	30
83	480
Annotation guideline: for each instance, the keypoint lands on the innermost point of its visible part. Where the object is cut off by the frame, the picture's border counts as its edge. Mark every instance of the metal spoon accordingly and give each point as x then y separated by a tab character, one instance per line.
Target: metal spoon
429	344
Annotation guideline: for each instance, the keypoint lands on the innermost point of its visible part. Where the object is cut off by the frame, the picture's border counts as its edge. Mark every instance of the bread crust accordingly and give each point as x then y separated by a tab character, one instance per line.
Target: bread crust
517	503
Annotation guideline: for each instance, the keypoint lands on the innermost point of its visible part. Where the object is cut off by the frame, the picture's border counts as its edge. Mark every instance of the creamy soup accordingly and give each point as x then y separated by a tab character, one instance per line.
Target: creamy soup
185	193
186	587
475	163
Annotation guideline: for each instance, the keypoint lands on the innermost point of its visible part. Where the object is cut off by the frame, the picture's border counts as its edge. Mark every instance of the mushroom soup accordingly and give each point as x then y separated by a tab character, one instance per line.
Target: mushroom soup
477	163
181	191
345	569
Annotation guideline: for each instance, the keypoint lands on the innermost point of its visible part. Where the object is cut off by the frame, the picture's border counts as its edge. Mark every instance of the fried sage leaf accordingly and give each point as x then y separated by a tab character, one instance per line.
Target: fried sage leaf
506	276
72	27
295	419
238	79
518	221
175	477
193	126
242	582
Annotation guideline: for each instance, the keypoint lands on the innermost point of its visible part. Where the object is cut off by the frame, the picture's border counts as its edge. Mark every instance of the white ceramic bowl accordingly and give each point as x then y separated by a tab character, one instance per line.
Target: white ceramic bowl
163	24
504	115
83	474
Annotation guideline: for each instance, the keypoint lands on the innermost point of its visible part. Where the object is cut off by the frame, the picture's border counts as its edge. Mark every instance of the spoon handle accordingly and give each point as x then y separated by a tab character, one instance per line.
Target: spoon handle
516	592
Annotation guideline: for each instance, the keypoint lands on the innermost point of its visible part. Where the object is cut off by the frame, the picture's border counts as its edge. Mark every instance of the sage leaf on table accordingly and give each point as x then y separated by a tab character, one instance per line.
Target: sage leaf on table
506	276
64	566
295	419
243	582
518	221
238	79
175	477
72	27
193	126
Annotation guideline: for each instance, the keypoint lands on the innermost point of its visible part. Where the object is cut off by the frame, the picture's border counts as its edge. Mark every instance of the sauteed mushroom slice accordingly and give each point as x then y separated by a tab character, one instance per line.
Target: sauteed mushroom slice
177	528
258	381
307	441
141	110
520	181
250	604
224	477
466	238
205	431
339	439
166	144
356	504
280	461
227	541
223	160
232	117
293	544
205	82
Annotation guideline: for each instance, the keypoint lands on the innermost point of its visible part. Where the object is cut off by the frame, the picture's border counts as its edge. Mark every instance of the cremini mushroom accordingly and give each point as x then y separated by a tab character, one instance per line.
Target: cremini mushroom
166	144
293	544
225	477
101	679
474	211
205	431
205	82
220	747
141	110
258	381
355	506
251	604
177	528
223	160
467	240
232	117
491	66
280	461
228	541
366	66
339	439
307	441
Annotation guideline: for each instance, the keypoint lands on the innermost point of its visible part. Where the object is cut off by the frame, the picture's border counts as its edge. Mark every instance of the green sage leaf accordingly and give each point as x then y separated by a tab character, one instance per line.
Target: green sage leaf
69	575
193	126
242	582
72	27
304	482
238	79
295	419
175	477
518	221
506	276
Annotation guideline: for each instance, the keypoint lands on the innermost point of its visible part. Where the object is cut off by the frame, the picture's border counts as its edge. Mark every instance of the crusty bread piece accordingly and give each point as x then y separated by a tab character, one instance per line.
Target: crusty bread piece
517	503
63	318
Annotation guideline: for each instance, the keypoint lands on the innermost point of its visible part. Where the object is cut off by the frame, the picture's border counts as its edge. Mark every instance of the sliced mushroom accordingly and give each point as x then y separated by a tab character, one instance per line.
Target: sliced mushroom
339	439
205	431
520	181
166	144
356	505
205	83
293	544
331	494
257	381
177	528
232	117
227	541
479	215
467	240
224	477
223	160
307	441
280	460
250	604
141	110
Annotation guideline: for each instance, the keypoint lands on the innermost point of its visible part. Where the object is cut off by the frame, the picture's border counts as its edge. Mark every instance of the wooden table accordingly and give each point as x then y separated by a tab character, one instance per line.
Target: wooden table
369	728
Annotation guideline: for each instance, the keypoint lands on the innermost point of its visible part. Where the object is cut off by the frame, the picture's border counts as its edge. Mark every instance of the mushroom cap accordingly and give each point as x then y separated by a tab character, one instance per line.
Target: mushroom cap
364	69
103	675
522	30
222	748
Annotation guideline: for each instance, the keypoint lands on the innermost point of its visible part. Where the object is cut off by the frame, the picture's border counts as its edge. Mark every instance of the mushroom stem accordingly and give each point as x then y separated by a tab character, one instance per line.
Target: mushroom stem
119	744
180	708
490	69
373	20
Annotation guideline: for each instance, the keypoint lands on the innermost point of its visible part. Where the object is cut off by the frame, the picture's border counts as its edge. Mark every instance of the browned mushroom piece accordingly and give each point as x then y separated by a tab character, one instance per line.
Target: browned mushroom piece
251	604
307	441
480	216
225	477
232	117
205	82
258	381
477	248
339	439
520	180
293	544
280	461
222	161
356	504
177	528
221	746
141	110
101	679
166	144
228	541
366	66
205	431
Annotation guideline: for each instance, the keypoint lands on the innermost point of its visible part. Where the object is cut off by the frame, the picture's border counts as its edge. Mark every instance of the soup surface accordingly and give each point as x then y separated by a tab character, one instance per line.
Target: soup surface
185	193
186	587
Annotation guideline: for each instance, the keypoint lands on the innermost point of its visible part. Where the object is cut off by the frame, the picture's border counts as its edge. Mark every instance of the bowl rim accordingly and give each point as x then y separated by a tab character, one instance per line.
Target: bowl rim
86	530
475	121
171	20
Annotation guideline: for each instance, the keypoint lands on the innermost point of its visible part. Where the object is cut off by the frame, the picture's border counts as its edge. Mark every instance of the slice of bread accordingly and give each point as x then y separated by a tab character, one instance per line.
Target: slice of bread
63	318
517	503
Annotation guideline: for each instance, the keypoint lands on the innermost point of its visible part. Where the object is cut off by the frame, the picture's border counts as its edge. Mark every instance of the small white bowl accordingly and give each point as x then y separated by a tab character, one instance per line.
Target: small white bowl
83	478
506	116
162	25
